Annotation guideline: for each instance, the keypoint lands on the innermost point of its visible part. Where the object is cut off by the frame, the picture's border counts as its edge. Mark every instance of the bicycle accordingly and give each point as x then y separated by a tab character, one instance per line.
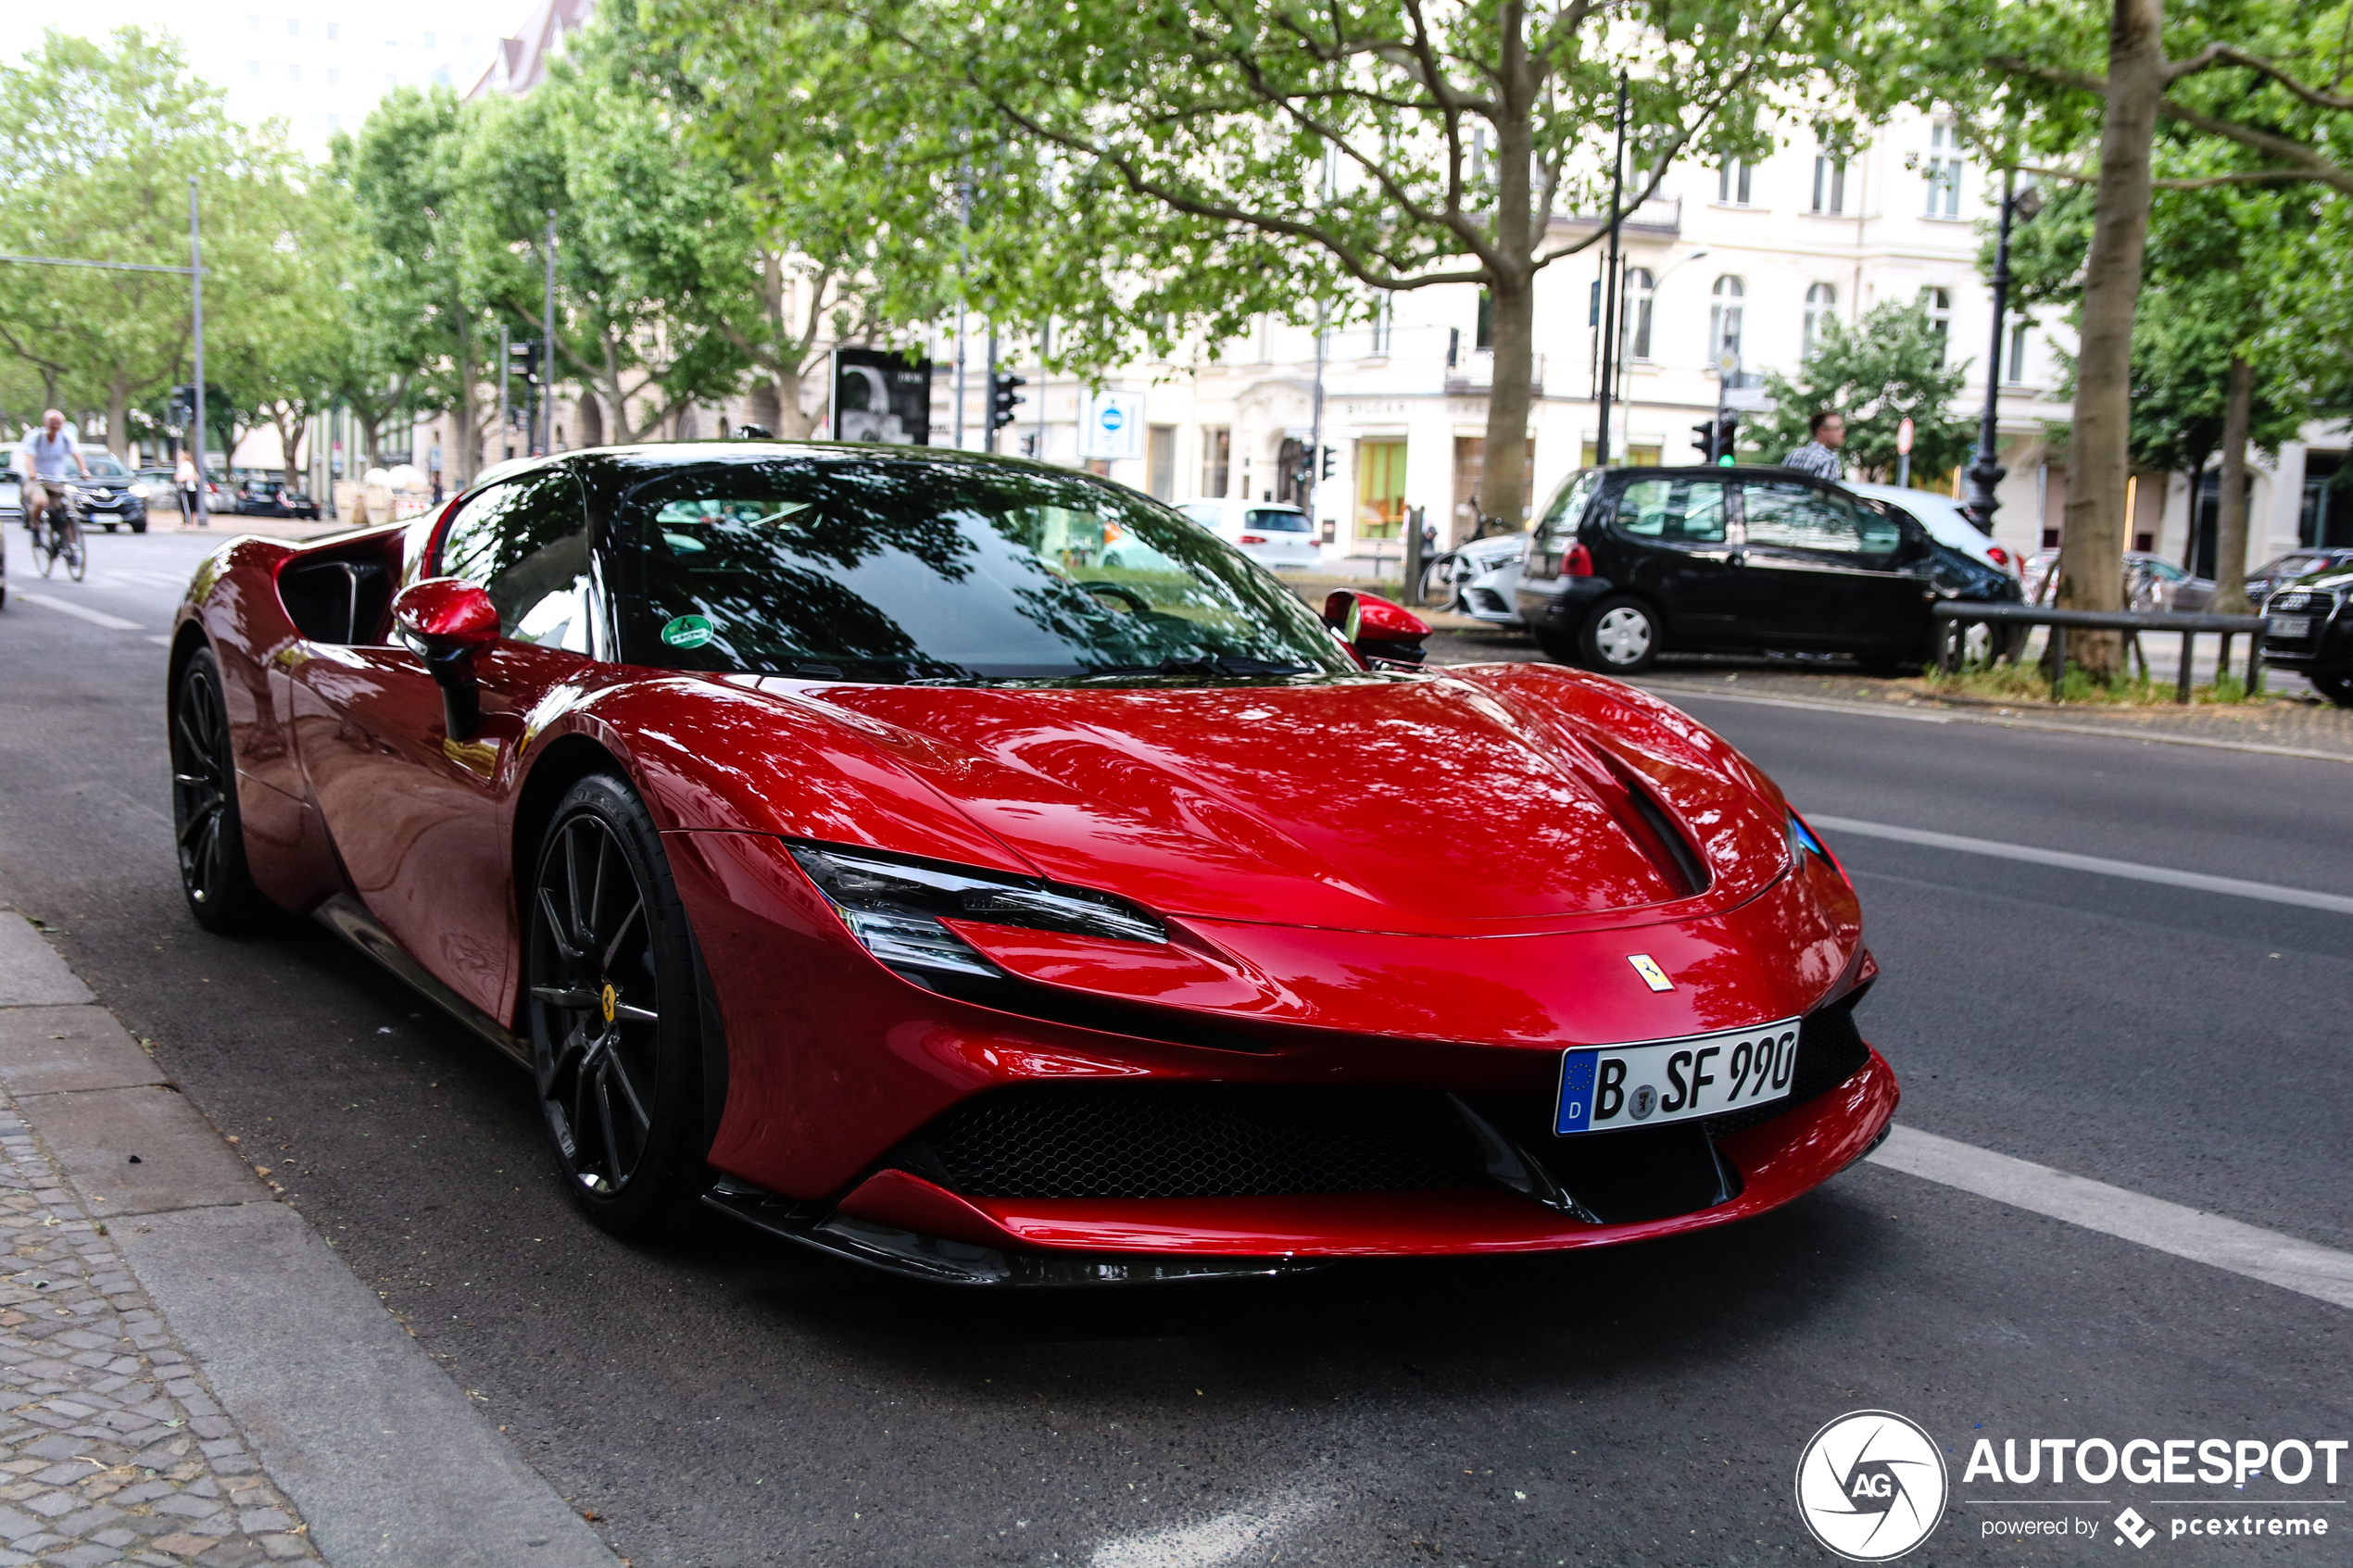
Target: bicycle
59	535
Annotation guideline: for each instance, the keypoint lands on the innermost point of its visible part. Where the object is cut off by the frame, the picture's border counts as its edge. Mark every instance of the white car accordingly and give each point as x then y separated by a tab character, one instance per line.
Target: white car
1946	522
1480	579
1272	534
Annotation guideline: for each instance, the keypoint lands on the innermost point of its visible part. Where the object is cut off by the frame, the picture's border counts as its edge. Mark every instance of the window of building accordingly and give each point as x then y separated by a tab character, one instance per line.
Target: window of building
294	27
1384	325
1822	308
1380	488
1216	459
1732	178
1485	337
2015	371
428	39
253	24
335	77
252	69
1829	183
293	73
1944	170
1723	316
1938	304
1638	456
334	32
1159	462
1641	291
334	121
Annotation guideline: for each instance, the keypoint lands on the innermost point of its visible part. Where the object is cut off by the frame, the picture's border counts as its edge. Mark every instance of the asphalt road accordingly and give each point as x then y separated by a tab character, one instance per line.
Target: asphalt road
723	1399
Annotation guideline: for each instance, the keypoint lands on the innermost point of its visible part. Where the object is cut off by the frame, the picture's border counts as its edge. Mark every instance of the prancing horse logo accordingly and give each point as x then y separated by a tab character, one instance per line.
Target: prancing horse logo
1653	976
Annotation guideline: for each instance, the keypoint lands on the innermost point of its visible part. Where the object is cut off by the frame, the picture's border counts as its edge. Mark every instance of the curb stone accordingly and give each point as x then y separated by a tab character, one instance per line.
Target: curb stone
187	1374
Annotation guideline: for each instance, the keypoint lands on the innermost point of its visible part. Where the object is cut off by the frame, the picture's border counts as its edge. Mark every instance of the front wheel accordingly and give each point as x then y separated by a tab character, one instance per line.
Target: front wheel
140	526
1620	637
2338	689
77	562
213	875
615	1015
45	547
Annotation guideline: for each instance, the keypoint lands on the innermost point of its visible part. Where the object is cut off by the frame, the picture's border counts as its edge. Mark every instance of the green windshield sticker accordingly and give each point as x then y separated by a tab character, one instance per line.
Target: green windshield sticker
689	632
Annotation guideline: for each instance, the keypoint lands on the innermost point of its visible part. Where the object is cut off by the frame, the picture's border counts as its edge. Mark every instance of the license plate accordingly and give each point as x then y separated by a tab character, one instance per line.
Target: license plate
1608	1088
106	517
2291	627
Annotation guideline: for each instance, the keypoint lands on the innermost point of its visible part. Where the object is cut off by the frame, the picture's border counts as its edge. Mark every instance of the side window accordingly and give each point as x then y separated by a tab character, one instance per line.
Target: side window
526	542
1798	517
1673	511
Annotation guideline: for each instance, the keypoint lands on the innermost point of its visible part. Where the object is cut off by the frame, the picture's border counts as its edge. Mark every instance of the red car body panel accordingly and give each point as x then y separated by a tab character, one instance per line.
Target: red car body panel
1423	881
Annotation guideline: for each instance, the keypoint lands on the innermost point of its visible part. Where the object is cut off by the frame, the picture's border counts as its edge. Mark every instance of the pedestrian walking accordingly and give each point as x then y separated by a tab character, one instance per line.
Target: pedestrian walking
191	496
1818	456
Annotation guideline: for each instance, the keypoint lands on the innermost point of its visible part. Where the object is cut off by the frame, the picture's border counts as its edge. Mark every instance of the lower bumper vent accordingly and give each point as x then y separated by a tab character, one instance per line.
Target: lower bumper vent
1204	1140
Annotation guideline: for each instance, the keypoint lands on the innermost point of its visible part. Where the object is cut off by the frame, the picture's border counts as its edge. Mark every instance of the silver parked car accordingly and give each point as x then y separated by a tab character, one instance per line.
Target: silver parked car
1479	578
1272	533
2151	583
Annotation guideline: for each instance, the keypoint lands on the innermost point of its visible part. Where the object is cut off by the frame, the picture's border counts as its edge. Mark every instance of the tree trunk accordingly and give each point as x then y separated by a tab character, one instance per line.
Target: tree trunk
766	411
795	422
289	447
2090	569
2229	528
118	419
467	457
592	416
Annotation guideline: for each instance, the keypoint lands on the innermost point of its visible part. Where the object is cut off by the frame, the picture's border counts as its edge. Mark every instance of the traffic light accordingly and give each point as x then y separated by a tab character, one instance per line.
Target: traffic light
524	357
1331	461
1002	397
1715	437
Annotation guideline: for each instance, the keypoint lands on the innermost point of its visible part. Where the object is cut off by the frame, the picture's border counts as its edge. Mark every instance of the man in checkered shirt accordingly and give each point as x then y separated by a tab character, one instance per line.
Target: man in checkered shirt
1818	456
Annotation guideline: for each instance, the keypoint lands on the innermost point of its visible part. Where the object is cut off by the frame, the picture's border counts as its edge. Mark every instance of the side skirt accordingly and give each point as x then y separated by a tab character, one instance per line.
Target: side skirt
350	919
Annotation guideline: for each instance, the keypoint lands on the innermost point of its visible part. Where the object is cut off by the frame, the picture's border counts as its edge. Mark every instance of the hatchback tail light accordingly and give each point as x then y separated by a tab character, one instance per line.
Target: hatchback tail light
1578	562
1254	539
2001	557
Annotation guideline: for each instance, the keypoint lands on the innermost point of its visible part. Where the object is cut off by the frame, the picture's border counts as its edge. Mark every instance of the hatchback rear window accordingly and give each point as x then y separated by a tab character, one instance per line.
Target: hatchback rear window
1276	523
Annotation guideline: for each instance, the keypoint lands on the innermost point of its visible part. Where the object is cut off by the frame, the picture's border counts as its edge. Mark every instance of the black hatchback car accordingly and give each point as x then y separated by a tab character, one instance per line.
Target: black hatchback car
1628	563
2307	627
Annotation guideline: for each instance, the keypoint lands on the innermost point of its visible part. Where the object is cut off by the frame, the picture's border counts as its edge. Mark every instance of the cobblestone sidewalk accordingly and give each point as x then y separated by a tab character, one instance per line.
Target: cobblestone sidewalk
115	1451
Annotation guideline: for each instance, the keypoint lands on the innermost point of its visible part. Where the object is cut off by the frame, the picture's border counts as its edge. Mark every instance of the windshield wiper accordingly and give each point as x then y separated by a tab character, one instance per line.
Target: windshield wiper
1213	664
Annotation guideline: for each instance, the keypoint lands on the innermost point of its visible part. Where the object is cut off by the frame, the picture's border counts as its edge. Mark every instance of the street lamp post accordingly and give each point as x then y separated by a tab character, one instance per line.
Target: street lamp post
1987	471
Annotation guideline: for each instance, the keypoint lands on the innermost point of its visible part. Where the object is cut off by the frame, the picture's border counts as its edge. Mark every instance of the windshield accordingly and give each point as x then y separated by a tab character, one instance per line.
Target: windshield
106	465
874	569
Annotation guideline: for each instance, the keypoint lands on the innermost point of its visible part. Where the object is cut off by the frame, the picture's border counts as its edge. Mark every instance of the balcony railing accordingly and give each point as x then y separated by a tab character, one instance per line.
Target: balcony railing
1474	372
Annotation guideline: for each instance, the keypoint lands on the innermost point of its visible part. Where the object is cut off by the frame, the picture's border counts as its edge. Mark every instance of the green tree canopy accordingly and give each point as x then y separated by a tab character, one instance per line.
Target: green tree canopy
1892	365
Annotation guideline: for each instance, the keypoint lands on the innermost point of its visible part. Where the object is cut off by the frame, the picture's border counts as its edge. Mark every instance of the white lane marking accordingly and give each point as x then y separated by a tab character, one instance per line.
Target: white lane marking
1800	702
152	579
95	617
2304	1267
2271	892
159	639
1229	1538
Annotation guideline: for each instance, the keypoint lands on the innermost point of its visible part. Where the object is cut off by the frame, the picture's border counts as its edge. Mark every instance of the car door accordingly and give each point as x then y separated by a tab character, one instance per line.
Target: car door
1670	540
419	818
1823	572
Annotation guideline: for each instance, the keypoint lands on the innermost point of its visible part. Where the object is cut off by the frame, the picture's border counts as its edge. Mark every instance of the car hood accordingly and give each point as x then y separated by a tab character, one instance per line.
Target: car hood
1469	805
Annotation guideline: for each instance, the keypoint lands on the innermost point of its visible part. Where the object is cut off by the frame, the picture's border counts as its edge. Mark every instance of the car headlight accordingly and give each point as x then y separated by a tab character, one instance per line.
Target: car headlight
894	907
1802	840
140	491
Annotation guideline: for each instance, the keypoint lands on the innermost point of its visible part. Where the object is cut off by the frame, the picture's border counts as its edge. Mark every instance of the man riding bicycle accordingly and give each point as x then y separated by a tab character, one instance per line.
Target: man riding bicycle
41	458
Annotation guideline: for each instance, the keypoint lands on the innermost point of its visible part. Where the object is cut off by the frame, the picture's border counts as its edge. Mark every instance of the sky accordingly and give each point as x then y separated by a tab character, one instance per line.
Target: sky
319	65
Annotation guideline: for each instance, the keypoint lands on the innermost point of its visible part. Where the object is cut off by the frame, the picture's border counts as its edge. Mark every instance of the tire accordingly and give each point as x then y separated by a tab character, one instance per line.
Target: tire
616	1017
77	558
2338	689
108	527
140	526
1558	646
1622	636
206	828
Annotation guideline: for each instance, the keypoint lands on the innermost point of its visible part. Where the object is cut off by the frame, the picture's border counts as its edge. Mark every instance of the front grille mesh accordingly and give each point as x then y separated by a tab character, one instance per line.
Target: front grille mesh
1829	1051
1189	1140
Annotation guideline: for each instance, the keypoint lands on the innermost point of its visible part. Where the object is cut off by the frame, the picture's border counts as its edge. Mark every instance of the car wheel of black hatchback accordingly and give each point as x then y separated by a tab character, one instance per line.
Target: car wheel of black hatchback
1620	637
615	1014
2338	689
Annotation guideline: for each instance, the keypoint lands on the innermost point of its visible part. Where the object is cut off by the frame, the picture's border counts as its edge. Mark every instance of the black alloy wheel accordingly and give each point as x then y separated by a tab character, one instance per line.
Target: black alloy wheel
2338	689
204	820
617	1017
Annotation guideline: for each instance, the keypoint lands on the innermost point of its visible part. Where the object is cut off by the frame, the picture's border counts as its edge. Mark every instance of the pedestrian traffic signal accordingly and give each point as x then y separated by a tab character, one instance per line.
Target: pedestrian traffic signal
1002	396
1331	461
524	357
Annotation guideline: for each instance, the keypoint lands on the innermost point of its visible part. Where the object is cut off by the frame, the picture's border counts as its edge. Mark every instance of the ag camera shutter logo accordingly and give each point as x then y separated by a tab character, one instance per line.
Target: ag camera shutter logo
1871	1485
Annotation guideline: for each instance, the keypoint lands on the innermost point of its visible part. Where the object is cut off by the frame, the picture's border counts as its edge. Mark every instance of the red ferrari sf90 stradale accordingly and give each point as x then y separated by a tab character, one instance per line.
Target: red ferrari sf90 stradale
979	871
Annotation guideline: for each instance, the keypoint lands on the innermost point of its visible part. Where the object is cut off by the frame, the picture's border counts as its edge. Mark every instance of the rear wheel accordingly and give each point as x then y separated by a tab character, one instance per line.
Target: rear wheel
212	834
616	1017
1620	637
2338	689
77	561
